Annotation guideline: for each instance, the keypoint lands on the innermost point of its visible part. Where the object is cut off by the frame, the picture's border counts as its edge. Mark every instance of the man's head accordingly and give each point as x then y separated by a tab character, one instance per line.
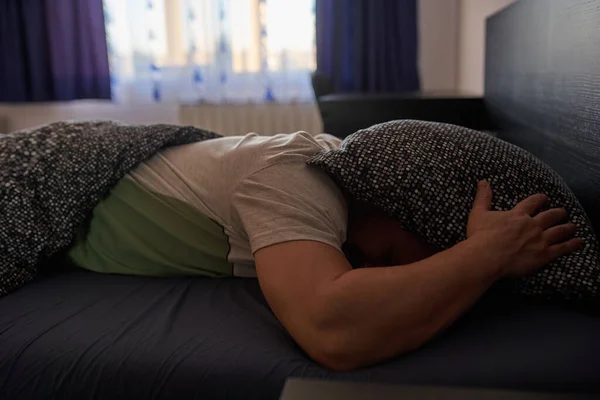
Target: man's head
375	239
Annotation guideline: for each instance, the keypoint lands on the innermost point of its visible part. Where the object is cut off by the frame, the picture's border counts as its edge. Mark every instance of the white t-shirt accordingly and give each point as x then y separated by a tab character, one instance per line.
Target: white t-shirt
258	189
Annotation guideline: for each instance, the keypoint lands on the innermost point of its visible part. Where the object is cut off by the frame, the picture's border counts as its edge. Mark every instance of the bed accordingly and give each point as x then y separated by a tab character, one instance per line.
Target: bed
77	334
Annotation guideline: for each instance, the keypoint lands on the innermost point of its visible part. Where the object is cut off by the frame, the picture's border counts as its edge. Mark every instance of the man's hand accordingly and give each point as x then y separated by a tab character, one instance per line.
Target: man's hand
522	240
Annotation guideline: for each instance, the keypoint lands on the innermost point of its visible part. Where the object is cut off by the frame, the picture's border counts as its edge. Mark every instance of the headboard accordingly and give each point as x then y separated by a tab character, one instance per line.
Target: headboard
542	87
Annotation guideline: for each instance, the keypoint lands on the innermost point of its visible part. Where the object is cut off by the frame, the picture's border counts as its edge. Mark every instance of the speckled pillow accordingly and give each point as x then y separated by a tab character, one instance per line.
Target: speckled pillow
425	174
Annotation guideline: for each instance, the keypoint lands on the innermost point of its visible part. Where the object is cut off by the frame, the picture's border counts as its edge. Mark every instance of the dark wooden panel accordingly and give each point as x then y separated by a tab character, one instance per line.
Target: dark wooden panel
542	87
344	114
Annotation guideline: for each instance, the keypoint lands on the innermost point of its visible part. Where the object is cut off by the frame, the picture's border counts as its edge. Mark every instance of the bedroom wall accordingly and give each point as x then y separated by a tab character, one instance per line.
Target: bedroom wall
438	61
25	116
438	44
471	42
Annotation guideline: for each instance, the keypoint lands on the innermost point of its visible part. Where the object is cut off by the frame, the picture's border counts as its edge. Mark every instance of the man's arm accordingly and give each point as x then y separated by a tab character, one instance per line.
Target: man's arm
345	318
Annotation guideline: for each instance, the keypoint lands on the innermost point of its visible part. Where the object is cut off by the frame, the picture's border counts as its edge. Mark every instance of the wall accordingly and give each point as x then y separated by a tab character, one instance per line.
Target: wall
438	44
471	42
438	61
25	116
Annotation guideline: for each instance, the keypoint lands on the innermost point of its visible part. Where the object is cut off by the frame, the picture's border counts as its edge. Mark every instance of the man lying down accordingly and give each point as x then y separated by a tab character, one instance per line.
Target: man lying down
250	206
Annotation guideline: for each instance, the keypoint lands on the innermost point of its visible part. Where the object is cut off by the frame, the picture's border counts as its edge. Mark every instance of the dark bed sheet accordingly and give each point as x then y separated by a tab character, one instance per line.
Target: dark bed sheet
85	335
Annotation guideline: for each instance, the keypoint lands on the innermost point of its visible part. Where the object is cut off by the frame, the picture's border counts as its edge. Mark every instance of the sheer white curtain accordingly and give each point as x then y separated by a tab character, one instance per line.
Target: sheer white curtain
216	51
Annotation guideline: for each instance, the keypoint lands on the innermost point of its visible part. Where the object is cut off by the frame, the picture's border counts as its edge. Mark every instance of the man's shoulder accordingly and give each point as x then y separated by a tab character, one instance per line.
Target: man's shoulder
293	148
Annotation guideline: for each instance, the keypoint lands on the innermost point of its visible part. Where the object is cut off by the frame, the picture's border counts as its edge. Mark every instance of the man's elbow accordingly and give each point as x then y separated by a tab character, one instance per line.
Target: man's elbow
335	357
337	354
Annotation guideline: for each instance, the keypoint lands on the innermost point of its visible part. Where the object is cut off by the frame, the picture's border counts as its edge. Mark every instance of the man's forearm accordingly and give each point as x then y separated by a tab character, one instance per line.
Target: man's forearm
377	313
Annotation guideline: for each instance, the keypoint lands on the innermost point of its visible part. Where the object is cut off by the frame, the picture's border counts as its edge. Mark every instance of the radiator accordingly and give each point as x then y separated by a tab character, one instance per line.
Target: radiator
264	119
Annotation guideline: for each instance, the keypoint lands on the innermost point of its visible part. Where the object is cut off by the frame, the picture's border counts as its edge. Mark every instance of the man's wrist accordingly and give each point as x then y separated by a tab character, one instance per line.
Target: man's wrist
480	251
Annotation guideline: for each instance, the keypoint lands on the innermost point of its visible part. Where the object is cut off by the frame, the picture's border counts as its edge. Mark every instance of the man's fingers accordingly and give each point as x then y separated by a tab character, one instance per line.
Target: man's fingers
565	248
531	204
483	197
560	233
551	217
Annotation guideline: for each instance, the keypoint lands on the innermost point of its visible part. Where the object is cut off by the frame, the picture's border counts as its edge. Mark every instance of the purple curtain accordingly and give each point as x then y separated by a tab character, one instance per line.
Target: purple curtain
368	45
53	50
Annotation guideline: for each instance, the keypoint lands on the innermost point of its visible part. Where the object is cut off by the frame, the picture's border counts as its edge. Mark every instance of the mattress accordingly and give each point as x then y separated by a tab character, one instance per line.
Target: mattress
85	335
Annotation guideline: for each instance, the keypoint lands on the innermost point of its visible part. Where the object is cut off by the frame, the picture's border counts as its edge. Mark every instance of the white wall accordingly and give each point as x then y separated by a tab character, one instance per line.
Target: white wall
471	42
438	44
34	114
438	63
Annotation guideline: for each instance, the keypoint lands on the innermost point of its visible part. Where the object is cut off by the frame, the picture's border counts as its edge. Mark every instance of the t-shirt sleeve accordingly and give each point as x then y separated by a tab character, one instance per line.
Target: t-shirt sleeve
290	201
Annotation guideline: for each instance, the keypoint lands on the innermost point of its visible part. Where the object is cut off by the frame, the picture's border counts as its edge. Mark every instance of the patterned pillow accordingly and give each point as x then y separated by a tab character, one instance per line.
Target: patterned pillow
425	174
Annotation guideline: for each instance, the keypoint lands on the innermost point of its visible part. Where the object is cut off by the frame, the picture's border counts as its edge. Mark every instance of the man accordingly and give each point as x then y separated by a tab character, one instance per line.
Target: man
250	206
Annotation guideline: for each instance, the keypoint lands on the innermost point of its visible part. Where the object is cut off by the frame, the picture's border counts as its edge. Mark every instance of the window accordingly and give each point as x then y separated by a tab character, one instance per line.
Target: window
211	50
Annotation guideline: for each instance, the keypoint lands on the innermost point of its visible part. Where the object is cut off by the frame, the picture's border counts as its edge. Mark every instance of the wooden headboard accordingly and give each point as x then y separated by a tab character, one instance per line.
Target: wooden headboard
542	87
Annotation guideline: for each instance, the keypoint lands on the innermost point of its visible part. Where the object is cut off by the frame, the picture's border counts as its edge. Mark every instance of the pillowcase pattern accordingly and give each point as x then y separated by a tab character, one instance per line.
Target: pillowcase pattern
425	175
